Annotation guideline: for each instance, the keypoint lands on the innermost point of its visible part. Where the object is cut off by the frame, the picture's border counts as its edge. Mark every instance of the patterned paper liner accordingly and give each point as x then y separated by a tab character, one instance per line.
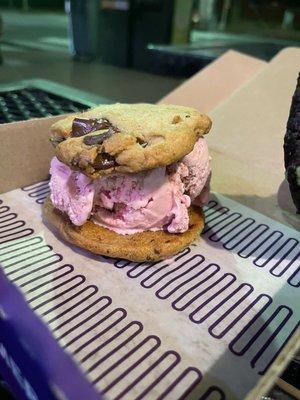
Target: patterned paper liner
252	324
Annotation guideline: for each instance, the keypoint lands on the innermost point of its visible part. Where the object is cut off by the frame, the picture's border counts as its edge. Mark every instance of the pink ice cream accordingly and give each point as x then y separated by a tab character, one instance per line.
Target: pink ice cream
129	203
143	201
197	163
71	192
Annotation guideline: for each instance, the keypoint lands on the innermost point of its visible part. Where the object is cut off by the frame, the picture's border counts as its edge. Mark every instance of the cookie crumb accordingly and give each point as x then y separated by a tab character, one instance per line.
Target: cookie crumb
141	142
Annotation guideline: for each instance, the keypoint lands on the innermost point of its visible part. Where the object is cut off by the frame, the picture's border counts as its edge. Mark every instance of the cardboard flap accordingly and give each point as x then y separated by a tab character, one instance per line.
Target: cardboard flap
246	140
210	86
25	152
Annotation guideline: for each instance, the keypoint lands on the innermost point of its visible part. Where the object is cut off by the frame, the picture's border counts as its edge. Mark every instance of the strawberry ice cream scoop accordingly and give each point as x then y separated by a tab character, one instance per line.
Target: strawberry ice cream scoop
196	169
71	192
139	202
129	203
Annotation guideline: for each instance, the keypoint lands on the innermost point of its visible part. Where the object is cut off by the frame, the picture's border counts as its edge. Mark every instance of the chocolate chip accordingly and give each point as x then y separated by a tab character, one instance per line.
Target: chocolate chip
104	161
141	142
56	140
81	126
98	139
75	161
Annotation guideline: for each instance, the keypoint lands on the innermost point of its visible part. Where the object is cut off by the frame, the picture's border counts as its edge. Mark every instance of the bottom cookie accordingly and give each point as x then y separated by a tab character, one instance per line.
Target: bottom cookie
144	246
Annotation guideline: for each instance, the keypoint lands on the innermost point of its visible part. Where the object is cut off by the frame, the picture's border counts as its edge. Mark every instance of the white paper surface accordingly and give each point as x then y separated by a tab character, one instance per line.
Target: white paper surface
204	325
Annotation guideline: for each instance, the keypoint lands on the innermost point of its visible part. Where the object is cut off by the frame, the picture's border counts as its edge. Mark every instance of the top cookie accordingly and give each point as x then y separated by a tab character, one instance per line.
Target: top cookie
127	137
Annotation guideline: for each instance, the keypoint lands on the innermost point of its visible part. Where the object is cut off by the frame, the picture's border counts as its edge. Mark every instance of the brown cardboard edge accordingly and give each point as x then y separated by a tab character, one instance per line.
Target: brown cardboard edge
214	83
277	367
270	197
25	152
284	54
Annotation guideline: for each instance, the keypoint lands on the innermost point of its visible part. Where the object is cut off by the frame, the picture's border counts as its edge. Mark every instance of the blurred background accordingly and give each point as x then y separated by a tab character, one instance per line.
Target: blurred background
136	50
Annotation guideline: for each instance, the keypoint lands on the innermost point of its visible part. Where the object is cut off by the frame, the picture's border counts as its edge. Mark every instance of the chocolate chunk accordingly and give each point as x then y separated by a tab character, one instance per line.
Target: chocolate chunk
98	139
81	126
55	140
104	161
141	142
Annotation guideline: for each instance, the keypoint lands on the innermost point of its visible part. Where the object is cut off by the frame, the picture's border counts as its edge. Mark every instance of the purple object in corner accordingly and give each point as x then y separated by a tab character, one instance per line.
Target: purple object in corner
31	361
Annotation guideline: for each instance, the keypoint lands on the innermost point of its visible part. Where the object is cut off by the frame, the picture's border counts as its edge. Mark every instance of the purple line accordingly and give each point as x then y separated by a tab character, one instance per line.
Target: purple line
257	333
125	358
255	262
179	379
117	348
283	257
272	336
238	318
259	234
134	365
99	334
293	276
160	377
191	316
225	244
212	390
147	371
55	261
33	187
11	215
224	301
194	266
171	271
65	267
117	334
194	287
3	209
215	232
70	298
54	288
82	311
99	322
262	372
58	295
208	221
46	247
32	240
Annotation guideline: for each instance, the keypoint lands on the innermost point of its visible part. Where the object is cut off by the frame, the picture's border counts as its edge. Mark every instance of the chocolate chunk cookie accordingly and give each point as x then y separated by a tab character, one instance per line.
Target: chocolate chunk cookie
292	148
127	137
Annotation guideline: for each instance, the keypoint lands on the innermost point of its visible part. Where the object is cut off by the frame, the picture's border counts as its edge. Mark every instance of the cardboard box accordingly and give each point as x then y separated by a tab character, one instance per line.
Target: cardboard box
219	321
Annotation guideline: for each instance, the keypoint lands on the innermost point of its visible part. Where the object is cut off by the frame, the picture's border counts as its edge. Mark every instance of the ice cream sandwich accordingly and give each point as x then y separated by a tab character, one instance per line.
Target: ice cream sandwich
128	180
